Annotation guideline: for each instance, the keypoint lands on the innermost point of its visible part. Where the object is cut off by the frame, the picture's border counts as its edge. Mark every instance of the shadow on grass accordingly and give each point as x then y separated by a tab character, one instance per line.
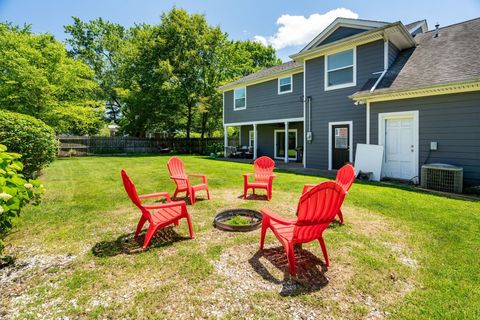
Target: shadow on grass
187	199
310	270
250	196
127	244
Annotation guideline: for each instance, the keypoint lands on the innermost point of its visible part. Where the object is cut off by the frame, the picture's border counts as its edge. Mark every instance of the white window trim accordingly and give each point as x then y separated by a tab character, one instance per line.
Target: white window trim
343	85
237	109
350	141
291	84
399	115
275	143
251	133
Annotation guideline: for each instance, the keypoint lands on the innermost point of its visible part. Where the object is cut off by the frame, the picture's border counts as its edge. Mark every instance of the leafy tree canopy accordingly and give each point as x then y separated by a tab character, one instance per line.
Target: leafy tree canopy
163	78
38	78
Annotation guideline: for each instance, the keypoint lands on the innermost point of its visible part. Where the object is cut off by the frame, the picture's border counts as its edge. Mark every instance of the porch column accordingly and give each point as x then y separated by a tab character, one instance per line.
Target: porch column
225	141
286	141
255	141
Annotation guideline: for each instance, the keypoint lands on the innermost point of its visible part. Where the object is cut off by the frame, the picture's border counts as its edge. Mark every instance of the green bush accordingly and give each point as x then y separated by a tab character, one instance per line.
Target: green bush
15	191
214	147
30	137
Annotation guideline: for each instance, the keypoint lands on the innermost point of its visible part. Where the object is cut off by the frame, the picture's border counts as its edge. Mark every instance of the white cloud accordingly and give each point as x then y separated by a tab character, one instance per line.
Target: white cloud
298	30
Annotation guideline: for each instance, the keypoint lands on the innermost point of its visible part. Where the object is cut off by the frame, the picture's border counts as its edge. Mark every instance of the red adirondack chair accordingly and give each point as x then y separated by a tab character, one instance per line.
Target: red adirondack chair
316	209
182	180
158	215
263	177
345	178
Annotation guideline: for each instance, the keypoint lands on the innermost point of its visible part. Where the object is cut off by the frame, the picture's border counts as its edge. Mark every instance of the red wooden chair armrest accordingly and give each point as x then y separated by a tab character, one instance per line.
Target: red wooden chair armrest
166	205
245	177
203	176
155	195
178	178
267	213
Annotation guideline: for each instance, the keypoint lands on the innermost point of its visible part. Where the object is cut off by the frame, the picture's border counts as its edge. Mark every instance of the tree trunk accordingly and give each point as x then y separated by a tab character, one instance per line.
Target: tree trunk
189	123
204	124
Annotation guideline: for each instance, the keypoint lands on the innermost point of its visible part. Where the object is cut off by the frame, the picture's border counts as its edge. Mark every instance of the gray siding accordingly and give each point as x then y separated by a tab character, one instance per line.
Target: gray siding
334	105
392	53
451	120
341	33
265	135
264	102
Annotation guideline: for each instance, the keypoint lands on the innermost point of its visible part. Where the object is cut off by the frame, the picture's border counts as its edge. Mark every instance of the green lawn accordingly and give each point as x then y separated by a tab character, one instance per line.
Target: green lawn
401	254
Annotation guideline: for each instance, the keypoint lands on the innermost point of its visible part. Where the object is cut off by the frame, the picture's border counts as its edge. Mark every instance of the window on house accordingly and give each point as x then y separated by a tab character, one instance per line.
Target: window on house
340	70
240	99
251	138
285	85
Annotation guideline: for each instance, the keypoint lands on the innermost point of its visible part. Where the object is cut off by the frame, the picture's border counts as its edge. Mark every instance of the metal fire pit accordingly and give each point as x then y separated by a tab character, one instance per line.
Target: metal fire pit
220	221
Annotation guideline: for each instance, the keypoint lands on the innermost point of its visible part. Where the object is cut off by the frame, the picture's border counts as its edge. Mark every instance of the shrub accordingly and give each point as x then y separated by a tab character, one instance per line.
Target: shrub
15	191
214	147
30	137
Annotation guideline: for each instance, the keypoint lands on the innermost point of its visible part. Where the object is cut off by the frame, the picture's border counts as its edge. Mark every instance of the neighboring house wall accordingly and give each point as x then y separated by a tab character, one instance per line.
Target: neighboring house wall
264	102
265	133
451	120
334	105
341	33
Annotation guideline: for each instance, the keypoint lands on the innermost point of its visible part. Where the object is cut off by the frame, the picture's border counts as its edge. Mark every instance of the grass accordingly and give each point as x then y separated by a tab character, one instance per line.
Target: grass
237	220
402	254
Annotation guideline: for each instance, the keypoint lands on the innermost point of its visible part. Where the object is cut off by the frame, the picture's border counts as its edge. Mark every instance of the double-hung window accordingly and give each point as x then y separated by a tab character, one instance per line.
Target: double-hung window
251	138
240	98
340	70
285	85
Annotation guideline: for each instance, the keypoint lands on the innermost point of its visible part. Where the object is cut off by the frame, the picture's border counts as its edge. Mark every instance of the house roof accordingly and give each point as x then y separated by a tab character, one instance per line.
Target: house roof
452	57
344	22
415	25
265	74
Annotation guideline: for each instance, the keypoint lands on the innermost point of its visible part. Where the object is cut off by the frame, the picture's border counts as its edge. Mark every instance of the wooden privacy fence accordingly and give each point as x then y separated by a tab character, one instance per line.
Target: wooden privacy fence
85	145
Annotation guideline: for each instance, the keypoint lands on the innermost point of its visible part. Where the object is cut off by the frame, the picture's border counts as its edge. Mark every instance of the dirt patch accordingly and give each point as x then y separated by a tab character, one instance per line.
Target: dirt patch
27	268
14	280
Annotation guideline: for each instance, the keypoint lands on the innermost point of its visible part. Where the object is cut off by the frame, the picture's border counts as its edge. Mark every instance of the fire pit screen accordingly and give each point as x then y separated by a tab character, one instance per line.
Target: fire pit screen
241	220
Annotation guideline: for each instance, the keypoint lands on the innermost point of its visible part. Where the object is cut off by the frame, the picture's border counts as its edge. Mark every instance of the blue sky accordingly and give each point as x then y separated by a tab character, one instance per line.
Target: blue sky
243	19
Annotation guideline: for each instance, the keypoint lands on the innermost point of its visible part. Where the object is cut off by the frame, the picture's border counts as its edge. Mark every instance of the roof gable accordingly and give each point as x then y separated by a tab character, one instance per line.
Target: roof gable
417	27
360	25
340	33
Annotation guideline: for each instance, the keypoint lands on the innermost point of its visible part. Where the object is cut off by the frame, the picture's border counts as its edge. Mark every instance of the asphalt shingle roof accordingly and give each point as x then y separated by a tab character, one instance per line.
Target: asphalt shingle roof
265	73
453	56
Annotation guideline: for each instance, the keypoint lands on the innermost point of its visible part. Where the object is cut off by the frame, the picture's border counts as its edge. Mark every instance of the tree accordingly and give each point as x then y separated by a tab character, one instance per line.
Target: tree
99	44
164	77
39	79
246	57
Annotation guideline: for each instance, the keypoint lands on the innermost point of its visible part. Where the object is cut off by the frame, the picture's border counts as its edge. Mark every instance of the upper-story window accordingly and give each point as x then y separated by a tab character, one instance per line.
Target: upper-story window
240	98
340	70
285	85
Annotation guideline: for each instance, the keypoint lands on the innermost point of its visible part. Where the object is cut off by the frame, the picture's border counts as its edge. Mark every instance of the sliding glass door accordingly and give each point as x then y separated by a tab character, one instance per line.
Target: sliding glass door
280	144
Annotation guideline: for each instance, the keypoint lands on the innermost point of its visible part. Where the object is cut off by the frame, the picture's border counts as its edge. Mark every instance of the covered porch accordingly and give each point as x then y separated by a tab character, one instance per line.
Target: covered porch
267	138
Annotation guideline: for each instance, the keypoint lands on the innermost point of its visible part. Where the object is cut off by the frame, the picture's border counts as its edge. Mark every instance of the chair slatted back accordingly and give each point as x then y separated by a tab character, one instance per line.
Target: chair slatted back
316	210
133	195
263	168
345	176
177	169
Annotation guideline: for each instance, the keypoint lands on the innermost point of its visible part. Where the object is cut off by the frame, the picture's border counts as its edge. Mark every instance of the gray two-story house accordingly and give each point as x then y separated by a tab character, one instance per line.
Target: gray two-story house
414	91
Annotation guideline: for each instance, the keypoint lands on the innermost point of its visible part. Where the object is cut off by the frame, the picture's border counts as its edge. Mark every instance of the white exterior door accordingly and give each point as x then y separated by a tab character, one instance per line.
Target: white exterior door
399	135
